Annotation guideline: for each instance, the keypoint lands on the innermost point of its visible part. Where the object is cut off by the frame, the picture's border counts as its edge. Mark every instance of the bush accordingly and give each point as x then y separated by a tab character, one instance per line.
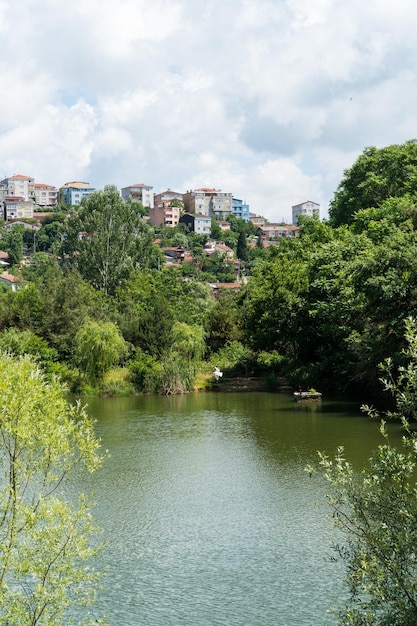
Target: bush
234	357
177	377
117	382
145	372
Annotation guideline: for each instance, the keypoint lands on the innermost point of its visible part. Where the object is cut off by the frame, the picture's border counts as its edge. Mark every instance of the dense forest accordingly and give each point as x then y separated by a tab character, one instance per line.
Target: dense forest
100	309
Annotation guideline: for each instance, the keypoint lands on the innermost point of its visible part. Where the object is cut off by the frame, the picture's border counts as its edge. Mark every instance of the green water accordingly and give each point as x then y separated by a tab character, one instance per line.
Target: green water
209	515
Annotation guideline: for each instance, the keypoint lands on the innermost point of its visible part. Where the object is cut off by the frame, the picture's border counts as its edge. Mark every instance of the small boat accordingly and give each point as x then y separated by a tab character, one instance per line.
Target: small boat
307	395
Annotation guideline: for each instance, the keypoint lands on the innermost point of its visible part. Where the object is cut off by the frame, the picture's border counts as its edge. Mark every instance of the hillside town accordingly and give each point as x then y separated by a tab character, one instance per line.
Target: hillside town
23	198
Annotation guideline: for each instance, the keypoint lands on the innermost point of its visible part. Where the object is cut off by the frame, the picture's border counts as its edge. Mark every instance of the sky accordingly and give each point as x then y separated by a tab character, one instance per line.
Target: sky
270	100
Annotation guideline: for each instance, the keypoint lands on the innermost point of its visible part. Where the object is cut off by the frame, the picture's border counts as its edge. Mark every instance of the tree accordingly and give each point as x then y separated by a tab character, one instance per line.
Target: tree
377	512
223	322
20	342
242	246
12	243
215	231
45	537
98	346
188	342
106	238
378	174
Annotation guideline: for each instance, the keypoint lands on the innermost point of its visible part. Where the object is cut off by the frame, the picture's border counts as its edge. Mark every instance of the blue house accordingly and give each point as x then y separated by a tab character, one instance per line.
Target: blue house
240	210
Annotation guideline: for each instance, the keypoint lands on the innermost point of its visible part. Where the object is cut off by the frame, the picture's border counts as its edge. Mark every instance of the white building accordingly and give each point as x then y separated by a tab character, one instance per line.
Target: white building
18	185
310	209
139	192
196	223
45	195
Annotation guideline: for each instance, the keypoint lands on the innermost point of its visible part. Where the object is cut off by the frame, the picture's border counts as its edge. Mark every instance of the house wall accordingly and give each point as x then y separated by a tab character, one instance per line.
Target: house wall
19	185
140	193
310	209
46	195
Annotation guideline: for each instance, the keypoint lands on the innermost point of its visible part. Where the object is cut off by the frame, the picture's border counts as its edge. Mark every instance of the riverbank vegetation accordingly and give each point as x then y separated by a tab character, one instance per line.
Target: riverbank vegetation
376	510
322	310
47	535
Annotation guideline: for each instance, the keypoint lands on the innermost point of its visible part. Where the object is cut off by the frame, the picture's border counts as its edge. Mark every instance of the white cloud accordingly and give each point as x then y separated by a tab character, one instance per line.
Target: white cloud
269	100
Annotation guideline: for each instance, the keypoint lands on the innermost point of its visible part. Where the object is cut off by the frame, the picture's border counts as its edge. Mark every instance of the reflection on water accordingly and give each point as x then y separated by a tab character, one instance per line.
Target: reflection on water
209	515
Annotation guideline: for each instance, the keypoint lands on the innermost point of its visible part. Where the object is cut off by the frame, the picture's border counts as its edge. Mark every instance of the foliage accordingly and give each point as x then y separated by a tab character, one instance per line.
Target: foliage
378	174
49	237
188	343
233	357
20	342
269	360
45	539
54	304
215	231
146	372
223	322
150	302
98	347
106	238
116	382
41	268
271	304
218	267
12	242
377	512
177	376
242	247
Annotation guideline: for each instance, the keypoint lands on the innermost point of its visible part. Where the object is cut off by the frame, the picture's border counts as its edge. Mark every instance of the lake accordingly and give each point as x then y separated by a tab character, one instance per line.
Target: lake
209	515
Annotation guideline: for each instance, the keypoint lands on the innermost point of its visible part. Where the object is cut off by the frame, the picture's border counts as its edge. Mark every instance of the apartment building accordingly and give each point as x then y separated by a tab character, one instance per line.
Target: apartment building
197	223
17	207
72	193
45	195
310	209
139	192
209	202
164	215
166	197
240	209
18	185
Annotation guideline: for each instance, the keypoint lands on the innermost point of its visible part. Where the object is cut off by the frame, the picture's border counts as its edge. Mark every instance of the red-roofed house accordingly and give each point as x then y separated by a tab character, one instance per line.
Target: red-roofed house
18	185
11	281
4	258
45	195
278	231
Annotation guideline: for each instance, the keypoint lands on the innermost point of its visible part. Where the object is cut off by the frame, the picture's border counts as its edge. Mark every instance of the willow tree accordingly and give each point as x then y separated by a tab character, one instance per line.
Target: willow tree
98	346
46	531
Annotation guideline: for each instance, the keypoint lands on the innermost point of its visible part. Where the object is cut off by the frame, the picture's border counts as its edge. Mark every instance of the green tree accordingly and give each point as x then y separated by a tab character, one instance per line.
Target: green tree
376	512
45	538
188	342
273	304
98	346
242	246
106	238
378	174
215	231
12	243
20	342
223	323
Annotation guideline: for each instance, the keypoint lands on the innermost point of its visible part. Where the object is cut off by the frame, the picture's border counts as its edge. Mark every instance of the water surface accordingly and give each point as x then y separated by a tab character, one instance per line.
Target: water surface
210	517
